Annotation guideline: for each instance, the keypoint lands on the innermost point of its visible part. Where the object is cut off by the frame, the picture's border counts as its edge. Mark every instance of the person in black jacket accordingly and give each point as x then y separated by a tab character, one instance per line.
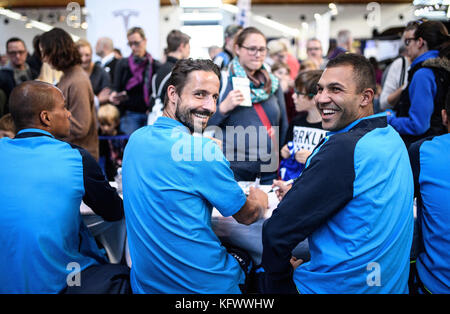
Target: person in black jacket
132	83
17	70
105	50
177	48
100	79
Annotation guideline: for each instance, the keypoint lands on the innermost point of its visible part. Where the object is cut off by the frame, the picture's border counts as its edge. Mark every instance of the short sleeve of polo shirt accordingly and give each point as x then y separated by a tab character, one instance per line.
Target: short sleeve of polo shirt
216	181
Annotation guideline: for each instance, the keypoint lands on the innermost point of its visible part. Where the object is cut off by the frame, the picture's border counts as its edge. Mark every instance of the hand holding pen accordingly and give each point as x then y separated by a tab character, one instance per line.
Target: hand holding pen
281	187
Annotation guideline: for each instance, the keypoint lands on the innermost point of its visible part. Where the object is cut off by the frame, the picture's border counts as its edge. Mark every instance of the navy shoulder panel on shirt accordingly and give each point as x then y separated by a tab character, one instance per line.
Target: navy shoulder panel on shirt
326	184
414	158
322	190
99	195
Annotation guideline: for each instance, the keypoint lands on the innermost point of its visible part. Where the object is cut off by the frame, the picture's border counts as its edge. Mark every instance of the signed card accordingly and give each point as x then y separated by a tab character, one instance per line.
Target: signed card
243	84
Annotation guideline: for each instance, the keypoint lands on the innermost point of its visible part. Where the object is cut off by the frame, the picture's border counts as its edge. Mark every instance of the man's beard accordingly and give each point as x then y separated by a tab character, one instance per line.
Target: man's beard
185	116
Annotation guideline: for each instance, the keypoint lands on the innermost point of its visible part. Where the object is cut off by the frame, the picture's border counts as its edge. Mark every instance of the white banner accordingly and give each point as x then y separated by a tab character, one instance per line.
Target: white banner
113	18
242	17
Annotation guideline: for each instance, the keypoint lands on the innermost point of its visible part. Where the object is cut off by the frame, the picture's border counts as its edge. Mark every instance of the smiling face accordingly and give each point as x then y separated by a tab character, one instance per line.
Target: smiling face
197	101
337	98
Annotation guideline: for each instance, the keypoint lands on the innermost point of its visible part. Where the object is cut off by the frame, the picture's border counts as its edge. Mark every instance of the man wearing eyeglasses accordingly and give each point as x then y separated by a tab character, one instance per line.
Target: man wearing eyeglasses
223	58
132	83
17	70
395	76
418	112
315	53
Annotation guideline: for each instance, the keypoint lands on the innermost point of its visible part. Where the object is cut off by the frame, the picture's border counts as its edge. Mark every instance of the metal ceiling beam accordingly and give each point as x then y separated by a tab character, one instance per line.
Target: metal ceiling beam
63	3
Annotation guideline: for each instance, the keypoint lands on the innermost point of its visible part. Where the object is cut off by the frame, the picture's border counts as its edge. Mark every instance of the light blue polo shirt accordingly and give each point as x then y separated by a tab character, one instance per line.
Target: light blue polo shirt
42	235
171	182
433	177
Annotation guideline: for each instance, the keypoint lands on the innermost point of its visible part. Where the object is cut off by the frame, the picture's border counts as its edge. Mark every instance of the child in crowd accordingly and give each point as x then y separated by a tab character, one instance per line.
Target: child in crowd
7	128
112	142
305	130
282	71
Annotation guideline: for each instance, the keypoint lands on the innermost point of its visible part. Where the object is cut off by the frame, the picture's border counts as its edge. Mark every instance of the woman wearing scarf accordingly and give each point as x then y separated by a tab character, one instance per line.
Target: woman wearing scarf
132	83
251	134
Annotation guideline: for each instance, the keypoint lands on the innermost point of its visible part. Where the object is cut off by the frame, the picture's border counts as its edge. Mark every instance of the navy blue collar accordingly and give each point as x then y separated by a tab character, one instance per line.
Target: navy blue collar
31	132
354	123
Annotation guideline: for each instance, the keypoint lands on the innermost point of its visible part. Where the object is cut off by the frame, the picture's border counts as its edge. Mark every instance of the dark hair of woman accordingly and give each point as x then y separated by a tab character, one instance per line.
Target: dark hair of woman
60	50
436	35
242	35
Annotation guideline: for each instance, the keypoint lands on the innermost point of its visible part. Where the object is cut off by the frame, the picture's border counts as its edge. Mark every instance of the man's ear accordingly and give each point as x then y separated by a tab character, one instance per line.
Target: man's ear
444	117
421	42
172	94
45	118
367	97
172	98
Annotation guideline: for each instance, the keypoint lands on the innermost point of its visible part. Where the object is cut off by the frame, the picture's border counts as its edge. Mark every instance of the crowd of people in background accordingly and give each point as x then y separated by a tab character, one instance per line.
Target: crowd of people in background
293	105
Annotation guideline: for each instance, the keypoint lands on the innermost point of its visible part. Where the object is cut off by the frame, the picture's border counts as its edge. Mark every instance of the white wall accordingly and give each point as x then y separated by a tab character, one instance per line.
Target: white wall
17	29
351	16
113	18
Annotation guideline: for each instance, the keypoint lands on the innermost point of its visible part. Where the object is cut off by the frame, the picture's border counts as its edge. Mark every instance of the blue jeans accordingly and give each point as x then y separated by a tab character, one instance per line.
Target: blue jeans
131	121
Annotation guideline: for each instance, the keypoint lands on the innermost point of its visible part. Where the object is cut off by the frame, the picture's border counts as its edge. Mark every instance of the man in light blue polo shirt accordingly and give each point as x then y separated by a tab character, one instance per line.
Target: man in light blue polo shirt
430	161
45	246
171	182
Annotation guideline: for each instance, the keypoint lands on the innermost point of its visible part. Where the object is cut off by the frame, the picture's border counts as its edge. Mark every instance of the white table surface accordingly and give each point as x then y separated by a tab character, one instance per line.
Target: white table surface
113	234
249	237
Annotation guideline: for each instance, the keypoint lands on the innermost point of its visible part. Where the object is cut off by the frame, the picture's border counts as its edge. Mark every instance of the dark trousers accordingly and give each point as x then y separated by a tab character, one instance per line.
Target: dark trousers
415	285
252	284
102	279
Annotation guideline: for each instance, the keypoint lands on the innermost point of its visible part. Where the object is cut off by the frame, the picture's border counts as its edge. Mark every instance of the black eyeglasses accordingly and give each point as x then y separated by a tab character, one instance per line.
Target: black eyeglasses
252	50
19	52
408	40
310	95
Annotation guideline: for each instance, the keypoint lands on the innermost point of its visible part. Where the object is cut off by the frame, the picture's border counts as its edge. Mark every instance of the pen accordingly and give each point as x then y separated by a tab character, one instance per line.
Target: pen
285	184
257	181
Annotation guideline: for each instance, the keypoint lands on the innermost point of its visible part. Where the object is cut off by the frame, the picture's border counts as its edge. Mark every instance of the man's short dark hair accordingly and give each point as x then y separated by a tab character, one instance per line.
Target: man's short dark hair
183	67
59	47
14	39
175	39
363	71
307	81
231	30
27	100
412	25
